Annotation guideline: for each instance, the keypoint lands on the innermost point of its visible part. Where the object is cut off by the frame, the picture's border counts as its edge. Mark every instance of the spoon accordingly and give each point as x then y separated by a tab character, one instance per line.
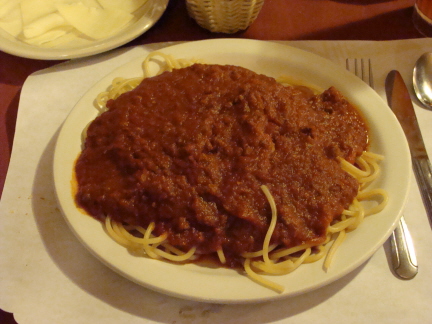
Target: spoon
422	79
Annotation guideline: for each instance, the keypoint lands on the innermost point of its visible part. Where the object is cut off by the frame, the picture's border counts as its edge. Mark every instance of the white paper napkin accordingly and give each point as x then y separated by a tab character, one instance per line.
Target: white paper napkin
47	276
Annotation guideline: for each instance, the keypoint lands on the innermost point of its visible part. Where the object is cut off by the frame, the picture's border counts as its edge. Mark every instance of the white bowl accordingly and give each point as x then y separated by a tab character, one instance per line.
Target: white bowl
148	15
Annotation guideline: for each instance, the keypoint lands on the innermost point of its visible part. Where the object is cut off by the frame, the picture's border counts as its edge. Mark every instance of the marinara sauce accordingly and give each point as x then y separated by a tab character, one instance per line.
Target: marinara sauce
189	150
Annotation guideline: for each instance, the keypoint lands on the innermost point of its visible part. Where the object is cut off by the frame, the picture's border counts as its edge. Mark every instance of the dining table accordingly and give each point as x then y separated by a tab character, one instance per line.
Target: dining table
382	30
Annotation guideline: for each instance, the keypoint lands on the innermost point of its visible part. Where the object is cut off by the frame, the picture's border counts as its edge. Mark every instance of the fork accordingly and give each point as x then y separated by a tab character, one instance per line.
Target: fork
403	256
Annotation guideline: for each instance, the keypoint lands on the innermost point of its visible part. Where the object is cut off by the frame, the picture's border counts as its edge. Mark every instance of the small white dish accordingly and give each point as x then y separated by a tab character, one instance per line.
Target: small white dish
219	285
148	15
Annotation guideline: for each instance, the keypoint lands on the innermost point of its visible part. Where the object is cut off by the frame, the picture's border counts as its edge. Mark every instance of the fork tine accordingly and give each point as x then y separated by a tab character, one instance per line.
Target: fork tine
371	78
361	68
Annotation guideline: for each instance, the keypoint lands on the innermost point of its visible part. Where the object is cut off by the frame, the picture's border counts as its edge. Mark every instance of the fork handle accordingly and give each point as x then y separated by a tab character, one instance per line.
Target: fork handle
403	257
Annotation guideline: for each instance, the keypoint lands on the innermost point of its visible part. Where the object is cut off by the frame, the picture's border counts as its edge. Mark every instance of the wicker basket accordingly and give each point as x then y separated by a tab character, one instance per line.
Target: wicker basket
224	16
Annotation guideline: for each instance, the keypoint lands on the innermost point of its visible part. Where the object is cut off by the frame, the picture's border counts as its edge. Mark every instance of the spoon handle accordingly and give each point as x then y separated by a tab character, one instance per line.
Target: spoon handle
423	172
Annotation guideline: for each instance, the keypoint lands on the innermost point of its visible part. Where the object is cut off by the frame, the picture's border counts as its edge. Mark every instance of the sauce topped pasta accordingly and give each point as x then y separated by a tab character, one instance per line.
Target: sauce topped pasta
206	159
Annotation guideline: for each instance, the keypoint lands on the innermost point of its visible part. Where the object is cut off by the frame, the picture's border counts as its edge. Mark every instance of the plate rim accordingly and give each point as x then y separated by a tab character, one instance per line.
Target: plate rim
11	45
243	44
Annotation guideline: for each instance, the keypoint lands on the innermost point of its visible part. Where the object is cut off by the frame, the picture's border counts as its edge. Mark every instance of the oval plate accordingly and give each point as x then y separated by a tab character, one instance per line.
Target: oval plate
220	285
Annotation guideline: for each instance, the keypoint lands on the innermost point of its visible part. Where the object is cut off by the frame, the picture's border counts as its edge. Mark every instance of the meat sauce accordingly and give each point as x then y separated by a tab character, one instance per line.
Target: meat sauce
189	150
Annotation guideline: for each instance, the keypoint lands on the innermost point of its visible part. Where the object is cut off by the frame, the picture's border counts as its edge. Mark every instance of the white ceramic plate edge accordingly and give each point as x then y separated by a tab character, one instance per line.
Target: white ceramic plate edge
197	283
11	45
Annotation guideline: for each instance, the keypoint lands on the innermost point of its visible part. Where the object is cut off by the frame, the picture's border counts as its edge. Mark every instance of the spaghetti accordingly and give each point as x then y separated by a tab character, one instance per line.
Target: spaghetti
272	258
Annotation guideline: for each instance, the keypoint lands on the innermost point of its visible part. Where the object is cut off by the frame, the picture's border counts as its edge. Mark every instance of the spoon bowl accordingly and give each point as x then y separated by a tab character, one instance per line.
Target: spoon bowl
422	79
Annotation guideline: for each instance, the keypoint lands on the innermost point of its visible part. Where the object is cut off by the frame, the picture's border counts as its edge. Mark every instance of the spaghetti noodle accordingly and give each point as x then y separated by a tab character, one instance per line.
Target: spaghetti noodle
272	258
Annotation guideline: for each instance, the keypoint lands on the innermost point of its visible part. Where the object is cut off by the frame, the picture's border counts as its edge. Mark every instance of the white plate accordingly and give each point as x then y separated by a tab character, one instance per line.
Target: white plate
223	285
149	14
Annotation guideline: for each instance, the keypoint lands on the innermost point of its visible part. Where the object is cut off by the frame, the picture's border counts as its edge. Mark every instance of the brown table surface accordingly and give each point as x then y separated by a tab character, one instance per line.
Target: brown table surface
278	20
